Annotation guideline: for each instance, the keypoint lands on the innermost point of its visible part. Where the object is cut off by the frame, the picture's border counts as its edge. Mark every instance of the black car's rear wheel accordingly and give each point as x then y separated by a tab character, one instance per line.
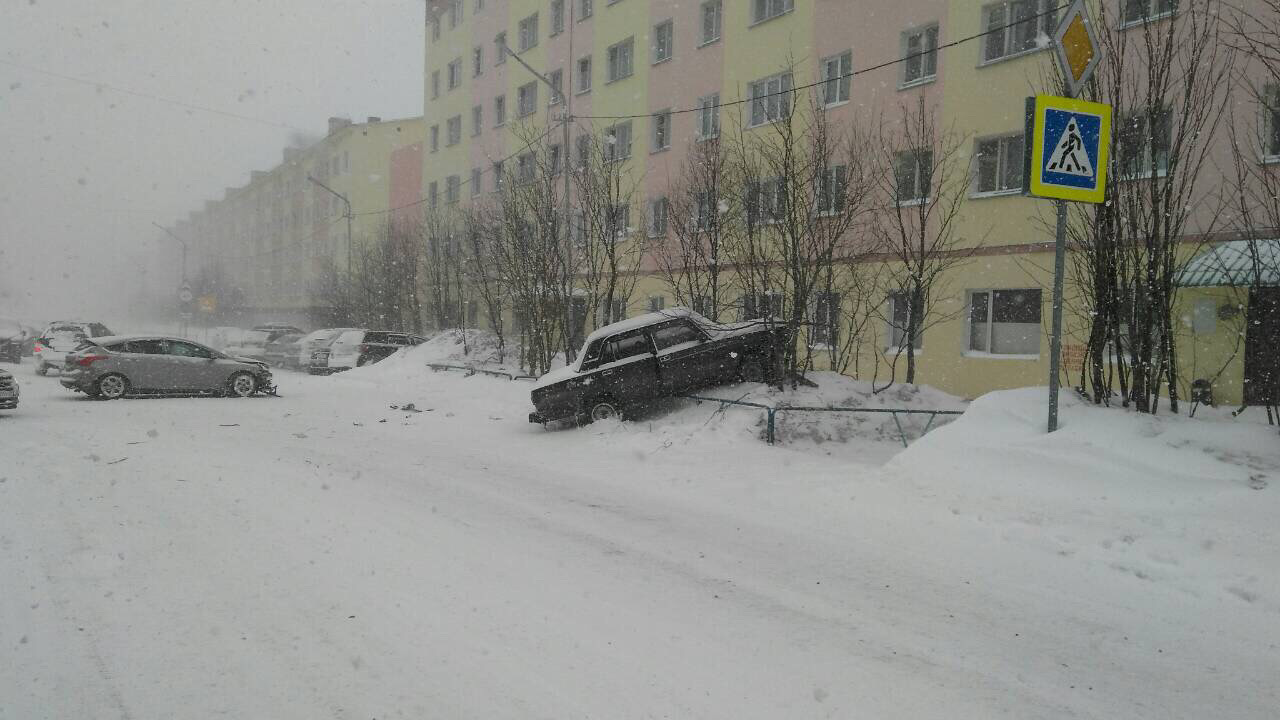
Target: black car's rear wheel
112	386
242	384
603	409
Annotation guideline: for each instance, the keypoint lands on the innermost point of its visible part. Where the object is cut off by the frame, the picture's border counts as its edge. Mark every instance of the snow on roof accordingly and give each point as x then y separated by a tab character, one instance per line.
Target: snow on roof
1232	264
640	321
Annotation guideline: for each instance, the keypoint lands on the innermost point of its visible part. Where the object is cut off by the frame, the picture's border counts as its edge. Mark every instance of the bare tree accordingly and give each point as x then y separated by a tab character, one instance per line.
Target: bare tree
693	260
484	273
923	182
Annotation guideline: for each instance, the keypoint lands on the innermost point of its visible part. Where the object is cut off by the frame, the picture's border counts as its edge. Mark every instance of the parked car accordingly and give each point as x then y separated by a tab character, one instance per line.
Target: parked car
60	338
283	351
313	342
627	364
13	335
354	348
275	330
251	344
115	366
8	391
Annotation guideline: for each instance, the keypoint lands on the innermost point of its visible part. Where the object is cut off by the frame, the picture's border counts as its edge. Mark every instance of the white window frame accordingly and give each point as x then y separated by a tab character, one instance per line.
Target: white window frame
499	110
477	120
714	10
772	96
1269	123
583	85
620	54
664	37
658	210
435	84
1045	24
893	344
763	11
585	9
452	189
620	148
1148	163
832	188
527	32
500	48
477	176
923	39
557	82
709	116
557	18
1006	161
477	61
434	138
824	332
837	78
455	74
453	131
989	322
527	99
917	196
1169	9
660	136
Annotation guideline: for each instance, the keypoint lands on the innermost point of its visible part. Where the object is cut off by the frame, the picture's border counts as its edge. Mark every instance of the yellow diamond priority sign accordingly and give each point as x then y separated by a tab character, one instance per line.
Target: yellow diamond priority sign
1076	47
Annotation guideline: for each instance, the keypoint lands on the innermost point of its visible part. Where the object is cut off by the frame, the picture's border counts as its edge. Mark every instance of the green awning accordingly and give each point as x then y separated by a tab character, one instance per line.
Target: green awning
1232	264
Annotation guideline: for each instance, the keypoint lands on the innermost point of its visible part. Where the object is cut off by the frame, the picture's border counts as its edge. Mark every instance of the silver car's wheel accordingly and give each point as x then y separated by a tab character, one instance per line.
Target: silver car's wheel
603	410
112	387
242	385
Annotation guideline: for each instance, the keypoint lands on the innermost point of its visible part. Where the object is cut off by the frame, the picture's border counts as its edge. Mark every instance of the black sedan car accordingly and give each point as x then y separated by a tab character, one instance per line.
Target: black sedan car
627	364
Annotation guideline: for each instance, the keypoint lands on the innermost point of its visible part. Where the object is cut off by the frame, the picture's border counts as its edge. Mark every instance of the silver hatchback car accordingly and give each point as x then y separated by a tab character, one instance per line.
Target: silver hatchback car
112	367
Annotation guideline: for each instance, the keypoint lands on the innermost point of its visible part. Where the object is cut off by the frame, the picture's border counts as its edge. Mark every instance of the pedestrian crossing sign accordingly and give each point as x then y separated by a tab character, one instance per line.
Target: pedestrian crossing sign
1067	155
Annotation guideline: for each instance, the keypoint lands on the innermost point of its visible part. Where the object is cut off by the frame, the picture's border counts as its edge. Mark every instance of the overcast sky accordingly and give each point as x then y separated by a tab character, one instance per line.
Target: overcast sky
87	168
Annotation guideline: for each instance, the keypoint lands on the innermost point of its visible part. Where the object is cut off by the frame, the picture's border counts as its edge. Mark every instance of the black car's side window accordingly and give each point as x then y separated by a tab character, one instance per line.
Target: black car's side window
625	346
674	334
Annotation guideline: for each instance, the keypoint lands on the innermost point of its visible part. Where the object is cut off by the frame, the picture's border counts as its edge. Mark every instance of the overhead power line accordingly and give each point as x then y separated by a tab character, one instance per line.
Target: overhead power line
149	96
860	71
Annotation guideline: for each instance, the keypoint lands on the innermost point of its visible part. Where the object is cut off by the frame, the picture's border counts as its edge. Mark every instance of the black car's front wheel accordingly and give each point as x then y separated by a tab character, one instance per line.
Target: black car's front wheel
112	386
242	384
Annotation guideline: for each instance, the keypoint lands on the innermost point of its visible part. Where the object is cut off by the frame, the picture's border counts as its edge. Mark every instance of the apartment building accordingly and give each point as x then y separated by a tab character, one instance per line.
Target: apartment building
264	248
659	76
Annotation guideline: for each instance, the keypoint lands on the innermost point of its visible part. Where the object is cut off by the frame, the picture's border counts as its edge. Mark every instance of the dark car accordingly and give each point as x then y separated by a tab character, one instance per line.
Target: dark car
283	351
112	367
13	336
627	364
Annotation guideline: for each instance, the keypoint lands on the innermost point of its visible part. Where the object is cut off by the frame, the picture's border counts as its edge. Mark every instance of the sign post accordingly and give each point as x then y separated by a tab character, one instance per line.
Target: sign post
1066	157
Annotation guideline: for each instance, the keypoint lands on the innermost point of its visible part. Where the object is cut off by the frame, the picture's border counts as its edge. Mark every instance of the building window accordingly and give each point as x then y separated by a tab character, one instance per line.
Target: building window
528	32
832	188
657	303
557	17
661	130
582	146
479	5
825	322
433	195
920	55
620	220
663	39
477	61
557	83
435	84
709	116
837	73
1270	101
500	48
500	111
757	306
620	56
999	162
617	311
705	213
658	218
455	73
585	8
1004	322
1144	145
766	202
435	29
762	10
455	13
584	74
899	318
498	177
1015	27
452	189
475	182
712	13
453	130
555	158
524	168
435	138
617	142
1137	11
771	99
913	175
526	99
477	119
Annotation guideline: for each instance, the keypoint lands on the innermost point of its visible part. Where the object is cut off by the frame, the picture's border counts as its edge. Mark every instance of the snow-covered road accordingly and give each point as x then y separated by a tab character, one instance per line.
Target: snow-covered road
320	555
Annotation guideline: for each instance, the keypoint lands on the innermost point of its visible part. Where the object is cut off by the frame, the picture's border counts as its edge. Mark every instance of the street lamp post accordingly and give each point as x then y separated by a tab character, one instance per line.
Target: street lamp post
345	201
184	290
566	100
184	248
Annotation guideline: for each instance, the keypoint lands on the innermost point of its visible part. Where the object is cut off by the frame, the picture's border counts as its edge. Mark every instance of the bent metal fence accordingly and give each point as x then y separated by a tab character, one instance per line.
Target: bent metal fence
773	410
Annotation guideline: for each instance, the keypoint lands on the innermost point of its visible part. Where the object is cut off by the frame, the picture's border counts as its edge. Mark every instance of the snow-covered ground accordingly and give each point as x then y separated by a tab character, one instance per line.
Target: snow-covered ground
322	554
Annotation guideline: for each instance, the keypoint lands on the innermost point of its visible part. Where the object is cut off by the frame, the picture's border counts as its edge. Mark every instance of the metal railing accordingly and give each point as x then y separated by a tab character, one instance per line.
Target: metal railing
469	370
773	410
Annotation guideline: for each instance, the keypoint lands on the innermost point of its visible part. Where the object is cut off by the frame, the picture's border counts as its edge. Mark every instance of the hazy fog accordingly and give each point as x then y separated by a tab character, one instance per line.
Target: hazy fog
88	166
